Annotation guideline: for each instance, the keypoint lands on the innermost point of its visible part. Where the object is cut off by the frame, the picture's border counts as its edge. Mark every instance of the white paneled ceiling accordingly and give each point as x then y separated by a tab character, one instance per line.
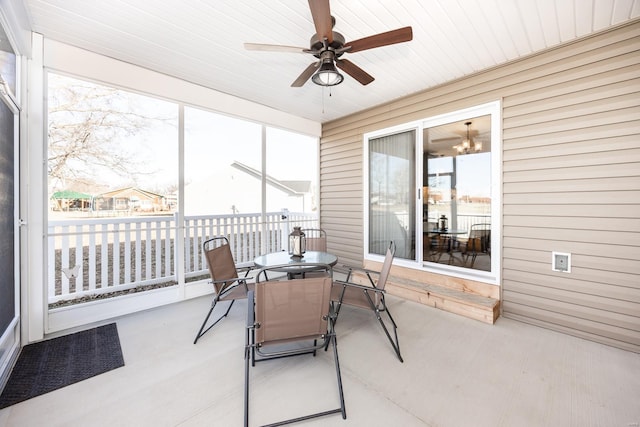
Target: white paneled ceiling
201	41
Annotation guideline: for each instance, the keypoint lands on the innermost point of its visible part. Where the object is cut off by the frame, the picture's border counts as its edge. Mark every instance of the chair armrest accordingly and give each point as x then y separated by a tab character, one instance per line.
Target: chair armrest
233	279
246	268
352	268
359	286
356	268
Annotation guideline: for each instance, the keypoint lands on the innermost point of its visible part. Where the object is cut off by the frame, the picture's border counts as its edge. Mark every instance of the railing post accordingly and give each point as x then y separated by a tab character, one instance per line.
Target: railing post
286	228
179	247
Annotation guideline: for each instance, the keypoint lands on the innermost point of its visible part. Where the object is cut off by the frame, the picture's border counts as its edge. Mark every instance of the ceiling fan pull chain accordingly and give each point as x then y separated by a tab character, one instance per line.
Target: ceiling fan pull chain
323	88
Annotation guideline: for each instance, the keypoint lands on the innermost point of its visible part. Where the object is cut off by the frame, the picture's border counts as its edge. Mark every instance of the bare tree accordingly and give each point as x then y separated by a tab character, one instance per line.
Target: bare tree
88	128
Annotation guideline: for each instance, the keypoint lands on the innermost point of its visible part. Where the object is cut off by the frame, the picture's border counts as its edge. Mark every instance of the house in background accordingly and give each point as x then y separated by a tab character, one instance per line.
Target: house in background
130	200
218	192
69	200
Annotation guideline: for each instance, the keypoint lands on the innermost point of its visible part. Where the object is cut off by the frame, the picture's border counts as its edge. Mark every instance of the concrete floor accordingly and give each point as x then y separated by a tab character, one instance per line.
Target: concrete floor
457	372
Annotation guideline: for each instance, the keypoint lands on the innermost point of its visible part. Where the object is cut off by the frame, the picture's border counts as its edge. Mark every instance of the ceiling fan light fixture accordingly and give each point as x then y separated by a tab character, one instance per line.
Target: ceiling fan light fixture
327	74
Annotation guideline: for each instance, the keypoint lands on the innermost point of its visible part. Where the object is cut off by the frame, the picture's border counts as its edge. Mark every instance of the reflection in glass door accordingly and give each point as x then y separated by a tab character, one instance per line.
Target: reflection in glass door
457	192
391	194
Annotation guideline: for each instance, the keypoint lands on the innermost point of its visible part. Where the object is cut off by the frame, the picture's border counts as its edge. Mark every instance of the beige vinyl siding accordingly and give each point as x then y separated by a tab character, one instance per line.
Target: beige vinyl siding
341	196
571	183
571	180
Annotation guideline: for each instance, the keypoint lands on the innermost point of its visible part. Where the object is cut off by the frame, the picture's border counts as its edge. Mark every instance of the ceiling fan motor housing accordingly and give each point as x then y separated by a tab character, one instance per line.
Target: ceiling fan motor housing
317	44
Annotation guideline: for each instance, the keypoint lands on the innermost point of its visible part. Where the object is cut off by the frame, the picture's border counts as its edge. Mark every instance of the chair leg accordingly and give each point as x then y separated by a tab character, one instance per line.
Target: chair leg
247	355
337	309
253	349
473	259
394	343
343	410
203	331
333	319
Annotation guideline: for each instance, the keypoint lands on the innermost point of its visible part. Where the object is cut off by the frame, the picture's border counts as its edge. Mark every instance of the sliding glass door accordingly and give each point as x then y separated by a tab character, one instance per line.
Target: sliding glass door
433	189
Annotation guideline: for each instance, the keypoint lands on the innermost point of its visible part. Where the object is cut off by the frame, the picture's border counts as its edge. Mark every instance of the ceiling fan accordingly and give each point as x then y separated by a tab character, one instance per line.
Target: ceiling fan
329	46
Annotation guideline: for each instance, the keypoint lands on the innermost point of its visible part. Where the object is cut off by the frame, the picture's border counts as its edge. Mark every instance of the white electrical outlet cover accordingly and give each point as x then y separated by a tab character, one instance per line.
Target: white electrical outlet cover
561	261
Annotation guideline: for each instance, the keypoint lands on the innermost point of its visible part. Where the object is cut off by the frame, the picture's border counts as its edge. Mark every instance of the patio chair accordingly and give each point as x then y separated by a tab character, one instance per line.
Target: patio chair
316	239
479	243
369	296
227	284
290	318
435	245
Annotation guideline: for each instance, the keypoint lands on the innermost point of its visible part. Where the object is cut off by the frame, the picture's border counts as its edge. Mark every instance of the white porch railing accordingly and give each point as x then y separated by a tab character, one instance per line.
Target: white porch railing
94	256
464	222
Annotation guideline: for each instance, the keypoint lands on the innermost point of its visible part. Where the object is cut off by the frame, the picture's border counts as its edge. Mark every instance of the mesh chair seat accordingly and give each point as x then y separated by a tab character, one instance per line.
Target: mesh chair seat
354	296
236	292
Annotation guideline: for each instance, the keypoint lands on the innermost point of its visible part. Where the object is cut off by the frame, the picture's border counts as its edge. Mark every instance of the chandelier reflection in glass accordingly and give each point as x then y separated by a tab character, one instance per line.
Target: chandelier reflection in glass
465	146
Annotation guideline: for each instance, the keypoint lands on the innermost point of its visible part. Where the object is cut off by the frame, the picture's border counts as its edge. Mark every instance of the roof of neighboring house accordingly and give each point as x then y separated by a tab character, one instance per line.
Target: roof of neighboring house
298	186
71	195
293	188
130	191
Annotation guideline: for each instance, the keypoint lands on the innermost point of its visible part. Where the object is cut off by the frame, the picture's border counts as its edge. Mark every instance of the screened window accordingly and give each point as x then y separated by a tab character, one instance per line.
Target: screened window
221	153
136	184
8	71
292	172
111	152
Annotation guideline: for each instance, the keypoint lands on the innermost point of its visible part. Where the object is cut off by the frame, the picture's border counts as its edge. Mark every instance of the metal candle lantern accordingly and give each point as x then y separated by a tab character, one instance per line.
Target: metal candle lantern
444	223
297	243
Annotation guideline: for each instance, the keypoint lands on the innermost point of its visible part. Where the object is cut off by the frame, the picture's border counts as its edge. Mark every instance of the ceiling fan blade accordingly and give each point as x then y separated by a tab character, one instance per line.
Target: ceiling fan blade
274	48
306	75
354	71
383	39
321	13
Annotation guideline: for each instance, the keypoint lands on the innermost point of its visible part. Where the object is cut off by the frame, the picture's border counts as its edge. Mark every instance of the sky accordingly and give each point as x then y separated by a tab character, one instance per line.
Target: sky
211	140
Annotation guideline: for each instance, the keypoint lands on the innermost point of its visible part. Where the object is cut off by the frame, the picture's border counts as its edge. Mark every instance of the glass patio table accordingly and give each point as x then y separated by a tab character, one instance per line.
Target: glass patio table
286	261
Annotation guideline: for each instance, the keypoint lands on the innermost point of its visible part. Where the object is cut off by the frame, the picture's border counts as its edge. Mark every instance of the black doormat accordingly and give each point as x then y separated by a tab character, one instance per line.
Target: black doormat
52	364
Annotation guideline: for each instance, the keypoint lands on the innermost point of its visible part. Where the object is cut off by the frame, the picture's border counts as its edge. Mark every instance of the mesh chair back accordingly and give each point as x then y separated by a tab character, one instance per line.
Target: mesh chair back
221	266
479	238
316	239
386	266
292	309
